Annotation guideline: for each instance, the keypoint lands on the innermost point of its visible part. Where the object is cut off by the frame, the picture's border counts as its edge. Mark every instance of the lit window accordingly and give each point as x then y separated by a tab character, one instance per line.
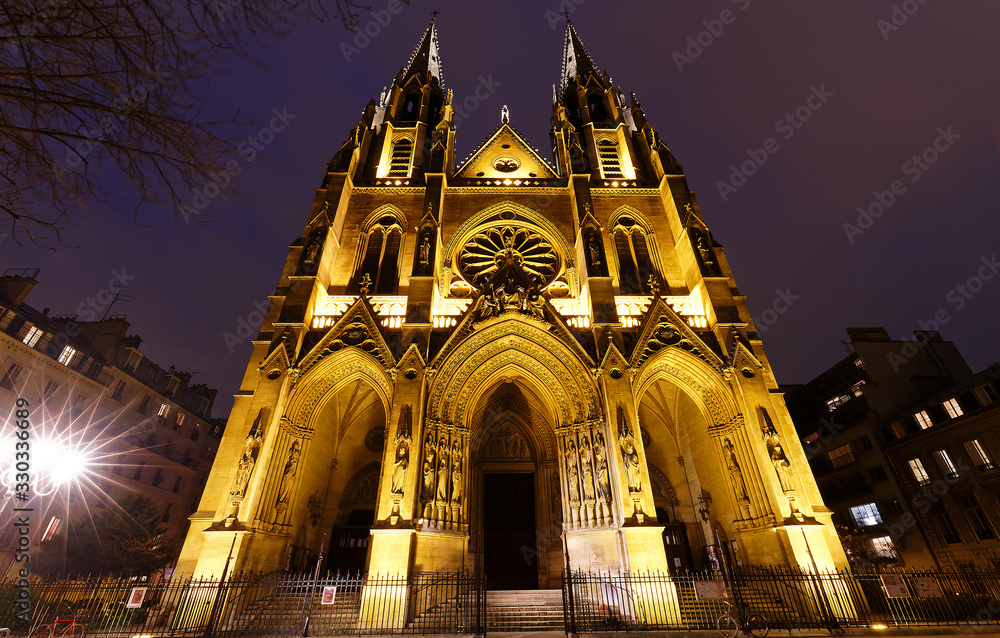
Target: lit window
945	463
883	547
866	515
953	408
380	259
919	473
856	389
32	337
841	457
923	420
837	401
67	355
179	418
161	414
860	366
611	163
11	376
978	454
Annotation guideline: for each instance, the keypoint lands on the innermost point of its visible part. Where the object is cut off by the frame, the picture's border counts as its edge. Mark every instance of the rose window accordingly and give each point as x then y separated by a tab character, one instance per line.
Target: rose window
485	252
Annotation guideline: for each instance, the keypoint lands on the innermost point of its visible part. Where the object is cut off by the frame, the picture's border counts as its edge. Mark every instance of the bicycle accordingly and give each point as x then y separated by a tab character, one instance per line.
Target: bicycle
71	630
730	625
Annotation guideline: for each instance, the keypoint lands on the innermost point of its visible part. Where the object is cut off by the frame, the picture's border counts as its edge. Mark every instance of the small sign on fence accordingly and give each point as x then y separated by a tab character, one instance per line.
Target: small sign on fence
709	589
328	595
136	597
894	586
927	587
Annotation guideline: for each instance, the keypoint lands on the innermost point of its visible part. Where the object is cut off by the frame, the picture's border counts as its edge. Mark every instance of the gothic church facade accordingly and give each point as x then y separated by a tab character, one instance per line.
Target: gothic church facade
510	365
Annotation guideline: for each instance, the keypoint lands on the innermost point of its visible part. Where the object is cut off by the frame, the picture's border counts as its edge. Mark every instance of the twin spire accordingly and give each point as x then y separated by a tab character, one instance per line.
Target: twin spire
426	59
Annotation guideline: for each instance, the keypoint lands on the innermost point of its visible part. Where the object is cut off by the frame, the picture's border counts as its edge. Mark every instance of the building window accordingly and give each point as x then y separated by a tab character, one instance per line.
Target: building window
67	355
161	414
178	420
953	408
400	157
877	474
10	377
898	430
948	529
991	394
195	434
634	264
50	389
893	507
203	406
866	515
883	547
166	513
172	386
978	454
137	475
177	485
143	404
5	318
33	335
119	391
858	364
133	361
381	256
841	457
611	162
923	419
945	463
864	443
157	477
78	403
919	473
977	519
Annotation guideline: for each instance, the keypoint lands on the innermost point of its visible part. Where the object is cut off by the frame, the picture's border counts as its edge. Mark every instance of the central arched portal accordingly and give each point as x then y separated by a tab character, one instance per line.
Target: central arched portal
516	513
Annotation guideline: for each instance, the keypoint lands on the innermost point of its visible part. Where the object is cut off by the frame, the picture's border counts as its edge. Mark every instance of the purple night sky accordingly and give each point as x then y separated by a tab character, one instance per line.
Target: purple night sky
888	92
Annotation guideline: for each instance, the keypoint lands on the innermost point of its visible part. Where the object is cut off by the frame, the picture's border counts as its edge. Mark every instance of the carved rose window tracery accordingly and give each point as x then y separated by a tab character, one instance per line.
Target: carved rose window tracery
489	249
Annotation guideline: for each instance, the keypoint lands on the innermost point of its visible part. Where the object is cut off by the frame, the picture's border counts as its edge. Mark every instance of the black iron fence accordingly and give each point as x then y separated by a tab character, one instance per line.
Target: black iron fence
787	598
253	605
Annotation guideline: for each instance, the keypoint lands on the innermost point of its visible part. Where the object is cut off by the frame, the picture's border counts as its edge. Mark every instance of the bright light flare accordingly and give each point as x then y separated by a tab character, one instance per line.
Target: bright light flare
58	462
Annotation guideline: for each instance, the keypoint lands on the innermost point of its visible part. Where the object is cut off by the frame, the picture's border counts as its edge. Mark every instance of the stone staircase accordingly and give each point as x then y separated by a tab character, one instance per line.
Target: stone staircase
525	610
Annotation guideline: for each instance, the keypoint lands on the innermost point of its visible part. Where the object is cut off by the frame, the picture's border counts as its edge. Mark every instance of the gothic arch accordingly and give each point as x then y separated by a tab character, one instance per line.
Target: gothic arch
698	380
362	487
628	211
528	421
534	219
510	346
380	212
328	376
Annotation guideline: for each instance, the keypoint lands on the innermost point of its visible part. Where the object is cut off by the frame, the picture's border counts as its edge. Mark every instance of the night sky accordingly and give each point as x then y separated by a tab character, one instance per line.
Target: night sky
888	93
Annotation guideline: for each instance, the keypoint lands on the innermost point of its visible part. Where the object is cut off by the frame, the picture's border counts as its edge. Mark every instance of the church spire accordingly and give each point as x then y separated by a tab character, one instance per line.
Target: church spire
425	58
576	58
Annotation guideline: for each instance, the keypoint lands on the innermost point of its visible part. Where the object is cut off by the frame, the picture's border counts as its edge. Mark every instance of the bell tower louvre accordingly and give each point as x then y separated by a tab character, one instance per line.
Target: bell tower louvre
508	365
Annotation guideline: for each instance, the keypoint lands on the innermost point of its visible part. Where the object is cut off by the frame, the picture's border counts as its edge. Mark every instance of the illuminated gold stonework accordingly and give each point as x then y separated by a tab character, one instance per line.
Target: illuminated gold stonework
506	352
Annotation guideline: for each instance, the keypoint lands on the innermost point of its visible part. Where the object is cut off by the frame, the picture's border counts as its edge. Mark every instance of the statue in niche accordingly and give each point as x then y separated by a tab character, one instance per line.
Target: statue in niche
251	447
705	252
456	473
311	251
594	249
288	475
783	468
735	473
572	473
402	462
601	460
630	456
425	254
586	457
444	463
428	488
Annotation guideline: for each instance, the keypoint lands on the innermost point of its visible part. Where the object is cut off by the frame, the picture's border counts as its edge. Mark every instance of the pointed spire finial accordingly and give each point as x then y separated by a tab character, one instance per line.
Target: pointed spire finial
504	115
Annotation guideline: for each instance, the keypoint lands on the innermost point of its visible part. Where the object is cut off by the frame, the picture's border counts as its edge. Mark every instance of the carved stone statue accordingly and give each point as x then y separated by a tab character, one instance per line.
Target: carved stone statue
601	460
402	462
366	283
594	249
456	473
783	468
572	472
428	487
443	465
425	253
251	446
630	456
735	473
288	475
586	457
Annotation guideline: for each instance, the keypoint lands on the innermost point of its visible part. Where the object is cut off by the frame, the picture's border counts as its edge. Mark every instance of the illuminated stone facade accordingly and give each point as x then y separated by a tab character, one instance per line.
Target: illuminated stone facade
509	365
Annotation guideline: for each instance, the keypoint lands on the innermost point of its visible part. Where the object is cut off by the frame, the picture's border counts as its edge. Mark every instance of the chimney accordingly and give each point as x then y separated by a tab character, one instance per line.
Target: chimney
17	283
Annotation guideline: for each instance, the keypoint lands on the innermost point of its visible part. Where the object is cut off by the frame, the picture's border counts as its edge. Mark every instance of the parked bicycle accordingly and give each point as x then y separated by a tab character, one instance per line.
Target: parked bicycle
730	624
70	629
